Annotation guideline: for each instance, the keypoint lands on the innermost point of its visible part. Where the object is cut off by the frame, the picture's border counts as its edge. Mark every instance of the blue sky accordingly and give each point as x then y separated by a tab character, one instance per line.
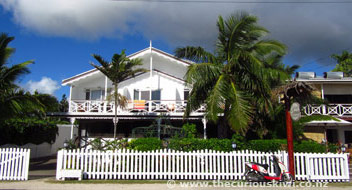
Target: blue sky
60	36
62	57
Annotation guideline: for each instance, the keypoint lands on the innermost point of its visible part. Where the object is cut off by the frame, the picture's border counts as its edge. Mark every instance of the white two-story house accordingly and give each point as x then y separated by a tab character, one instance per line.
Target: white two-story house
157	96
336	90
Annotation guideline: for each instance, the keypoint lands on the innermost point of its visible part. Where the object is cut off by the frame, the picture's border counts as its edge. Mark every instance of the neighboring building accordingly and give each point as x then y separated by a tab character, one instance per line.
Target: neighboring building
337	91
156	96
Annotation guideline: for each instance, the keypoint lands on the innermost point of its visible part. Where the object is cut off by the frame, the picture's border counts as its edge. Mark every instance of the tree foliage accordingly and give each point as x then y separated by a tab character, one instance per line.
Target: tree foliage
22	115
13	100
25	130
235	81
117	70
344	63
63	105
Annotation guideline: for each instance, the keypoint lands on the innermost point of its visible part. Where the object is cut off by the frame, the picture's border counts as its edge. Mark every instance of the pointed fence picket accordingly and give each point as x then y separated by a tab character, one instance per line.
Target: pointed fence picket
196	165
14	163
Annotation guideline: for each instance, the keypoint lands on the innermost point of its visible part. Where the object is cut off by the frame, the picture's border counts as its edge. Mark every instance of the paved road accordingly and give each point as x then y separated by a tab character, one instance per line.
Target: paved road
43	184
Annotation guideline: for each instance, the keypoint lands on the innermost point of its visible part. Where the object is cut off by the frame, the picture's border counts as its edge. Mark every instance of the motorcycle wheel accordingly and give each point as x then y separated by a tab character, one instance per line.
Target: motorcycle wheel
287	178
251	176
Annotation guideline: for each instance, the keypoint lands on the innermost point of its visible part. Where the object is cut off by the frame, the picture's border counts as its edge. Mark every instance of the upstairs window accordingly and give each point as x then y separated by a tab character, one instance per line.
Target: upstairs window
95	94
145	95
185	94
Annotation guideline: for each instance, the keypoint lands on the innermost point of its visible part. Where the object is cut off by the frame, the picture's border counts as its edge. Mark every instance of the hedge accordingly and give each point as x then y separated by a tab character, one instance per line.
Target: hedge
191	144
225	145
264	145
145	144
21	131
309	146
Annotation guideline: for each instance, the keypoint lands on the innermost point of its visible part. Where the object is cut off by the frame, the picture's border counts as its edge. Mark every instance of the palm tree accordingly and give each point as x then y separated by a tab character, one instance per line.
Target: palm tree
119	69
13	100
344	63
263	120
236	77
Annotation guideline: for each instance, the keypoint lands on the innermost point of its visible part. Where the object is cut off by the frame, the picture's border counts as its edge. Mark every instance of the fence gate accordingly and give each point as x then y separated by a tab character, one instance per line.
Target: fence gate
14	163
328	167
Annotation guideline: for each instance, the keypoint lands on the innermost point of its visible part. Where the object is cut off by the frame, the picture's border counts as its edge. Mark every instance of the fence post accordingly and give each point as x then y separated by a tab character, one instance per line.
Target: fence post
59	164
345	166
26	165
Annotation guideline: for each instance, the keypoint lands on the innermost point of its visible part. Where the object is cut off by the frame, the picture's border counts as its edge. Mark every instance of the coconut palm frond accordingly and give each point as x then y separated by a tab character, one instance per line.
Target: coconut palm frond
119	69
122	100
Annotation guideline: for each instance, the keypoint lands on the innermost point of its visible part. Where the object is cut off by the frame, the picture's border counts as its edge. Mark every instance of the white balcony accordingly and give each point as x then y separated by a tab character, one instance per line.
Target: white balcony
340	110
134	106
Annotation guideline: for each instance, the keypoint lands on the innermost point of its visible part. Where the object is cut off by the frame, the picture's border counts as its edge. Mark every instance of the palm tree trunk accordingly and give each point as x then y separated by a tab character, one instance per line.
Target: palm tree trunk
223	130
115	121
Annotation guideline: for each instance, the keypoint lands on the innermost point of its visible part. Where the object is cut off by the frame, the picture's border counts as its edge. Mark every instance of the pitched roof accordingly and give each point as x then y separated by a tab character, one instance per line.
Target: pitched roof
92	71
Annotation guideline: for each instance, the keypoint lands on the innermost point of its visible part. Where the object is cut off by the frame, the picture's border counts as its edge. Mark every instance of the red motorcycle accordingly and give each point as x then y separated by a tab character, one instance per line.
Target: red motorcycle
256	172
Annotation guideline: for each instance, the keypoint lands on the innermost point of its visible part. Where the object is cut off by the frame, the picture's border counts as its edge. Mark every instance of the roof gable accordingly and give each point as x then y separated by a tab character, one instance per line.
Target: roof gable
140	53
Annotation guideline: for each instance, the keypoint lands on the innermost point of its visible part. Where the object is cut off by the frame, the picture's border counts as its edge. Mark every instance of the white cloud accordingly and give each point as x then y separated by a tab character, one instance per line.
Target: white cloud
45	85
310	30
90	19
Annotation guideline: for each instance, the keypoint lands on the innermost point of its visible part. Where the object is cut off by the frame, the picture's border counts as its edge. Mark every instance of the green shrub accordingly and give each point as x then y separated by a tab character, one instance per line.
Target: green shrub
145	144
97	144
333	147
309	146
116	144
219	144
265	145
240	142
70	145
189	130
193	144
21	131
186	144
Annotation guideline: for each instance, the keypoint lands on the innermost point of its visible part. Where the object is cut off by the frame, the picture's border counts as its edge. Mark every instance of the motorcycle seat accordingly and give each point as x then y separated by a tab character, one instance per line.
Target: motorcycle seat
265	166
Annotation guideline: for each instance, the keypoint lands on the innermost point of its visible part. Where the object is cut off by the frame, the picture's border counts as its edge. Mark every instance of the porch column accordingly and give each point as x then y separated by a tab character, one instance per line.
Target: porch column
106	87
204	121
69	99
106	93
72	120
115	120
159	122
150	78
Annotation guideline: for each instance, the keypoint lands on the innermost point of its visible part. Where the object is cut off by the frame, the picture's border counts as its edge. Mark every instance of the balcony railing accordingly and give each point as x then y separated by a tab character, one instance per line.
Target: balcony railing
341	110
134	106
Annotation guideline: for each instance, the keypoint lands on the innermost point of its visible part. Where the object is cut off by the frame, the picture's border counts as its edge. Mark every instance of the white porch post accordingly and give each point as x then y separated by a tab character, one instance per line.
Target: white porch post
322	91
159	122
204	121
106	87
106	93
69	99
72	120
115	121
150	77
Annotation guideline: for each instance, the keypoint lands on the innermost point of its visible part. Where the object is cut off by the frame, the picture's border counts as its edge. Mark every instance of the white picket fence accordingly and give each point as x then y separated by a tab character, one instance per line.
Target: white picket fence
203	164
14	163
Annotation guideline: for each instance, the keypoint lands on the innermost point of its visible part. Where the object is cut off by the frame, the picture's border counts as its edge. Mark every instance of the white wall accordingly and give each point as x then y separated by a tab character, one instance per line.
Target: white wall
94	82
337	89
168	86
46	149
171	88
